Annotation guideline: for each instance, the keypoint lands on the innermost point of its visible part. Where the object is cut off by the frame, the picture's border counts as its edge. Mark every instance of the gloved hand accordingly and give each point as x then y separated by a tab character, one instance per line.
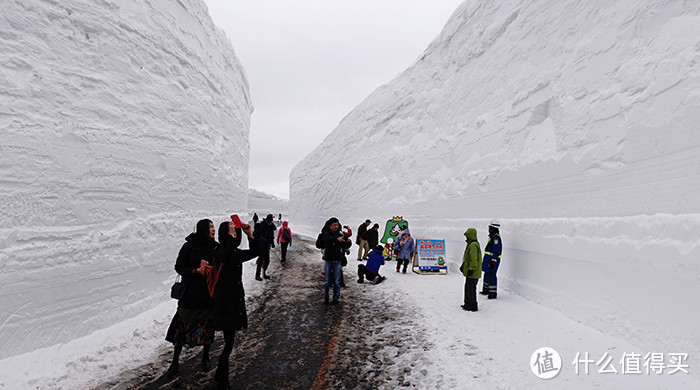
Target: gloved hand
493	265
470	272
272	244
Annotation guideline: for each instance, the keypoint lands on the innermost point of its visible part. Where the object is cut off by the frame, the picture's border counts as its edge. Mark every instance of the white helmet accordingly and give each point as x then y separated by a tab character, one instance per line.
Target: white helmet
494	223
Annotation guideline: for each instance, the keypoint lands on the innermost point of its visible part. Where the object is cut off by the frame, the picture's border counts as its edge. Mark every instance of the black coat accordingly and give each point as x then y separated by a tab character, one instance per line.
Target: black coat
372	238
361	232
229	296
193	251
334	249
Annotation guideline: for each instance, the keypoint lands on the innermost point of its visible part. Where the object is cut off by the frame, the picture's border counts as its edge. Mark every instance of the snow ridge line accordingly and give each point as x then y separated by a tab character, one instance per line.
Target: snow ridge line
321	381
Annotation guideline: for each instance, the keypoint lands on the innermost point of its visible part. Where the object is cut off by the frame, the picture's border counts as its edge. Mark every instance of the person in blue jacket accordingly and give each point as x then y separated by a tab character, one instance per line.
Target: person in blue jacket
371	270
406	247
492	259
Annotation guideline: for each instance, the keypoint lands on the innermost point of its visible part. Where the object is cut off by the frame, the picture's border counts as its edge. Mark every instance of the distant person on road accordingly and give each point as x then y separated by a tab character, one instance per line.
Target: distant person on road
193	323
371	270
363	245
255	219
284	237
335	244
265	237
373	236
471	269
280	218
405	248
230	313
492	259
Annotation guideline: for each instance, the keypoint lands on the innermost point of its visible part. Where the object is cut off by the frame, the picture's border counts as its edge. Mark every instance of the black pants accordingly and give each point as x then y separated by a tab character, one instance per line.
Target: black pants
401	261
263	260
284	251
470	294
221	375
363	273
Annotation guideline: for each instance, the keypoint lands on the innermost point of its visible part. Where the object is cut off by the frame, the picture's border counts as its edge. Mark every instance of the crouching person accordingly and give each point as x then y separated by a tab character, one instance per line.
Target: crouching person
371	270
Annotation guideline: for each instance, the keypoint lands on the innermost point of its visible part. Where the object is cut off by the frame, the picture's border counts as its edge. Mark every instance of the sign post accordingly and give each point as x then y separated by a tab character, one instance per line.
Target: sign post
430	257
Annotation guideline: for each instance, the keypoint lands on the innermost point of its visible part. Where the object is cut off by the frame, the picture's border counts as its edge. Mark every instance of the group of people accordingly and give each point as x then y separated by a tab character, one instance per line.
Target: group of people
473	265
214	298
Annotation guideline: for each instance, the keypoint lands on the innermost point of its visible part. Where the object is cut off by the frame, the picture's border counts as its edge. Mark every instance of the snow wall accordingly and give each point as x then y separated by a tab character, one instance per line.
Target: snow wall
123	123
576	123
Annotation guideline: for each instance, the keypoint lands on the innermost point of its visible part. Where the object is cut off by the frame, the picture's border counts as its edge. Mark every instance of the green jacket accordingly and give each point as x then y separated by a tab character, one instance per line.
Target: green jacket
471	261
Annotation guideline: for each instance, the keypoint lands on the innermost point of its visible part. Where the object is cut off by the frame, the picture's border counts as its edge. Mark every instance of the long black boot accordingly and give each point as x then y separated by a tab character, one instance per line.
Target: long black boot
206	362
175	365
258	268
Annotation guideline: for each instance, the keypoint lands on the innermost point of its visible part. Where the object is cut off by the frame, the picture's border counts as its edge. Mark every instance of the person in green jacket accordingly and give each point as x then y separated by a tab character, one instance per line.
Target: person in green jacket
471	269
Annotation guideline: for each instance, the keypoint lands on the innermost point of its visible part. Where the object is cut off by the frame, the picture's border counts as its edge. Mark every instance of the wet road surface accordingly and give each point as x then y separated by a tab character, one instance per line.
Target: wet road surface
294	341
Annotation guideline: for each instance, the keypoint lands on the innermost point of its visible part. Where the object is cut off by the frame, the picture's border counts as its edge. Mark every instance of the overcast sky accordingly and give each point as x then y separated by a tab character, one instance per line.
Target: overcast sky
310	62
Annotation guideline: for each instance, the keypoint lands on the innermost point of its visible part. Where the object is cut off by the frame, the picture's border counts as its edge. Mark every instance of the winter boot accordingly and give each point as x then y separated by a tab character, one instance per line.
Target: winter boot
257	272
172	370
265	275
360	280
492	296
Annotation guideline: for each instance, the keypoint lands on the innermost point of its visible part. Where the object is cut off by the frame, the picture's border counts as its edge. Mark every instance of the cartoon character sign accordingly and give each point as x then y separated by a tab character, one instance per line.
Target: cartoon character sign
392	229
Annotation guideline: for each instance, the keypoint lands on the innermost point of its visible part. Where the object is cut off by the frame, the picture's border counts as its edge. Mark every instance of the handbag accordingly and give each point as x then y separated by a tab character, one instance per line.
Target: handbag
177	291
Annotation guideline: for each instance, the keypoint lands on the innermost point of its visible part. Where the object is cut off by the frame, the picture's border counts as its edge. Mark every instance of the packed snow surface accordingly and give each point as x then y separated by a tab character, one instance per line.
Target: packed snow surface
122	124
575	123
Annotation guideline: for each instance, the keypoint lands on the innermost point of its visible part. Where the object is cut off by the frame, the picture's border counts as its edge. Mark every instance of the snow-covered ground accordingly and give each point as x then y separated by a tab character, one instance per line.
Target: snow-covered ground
575	123
444	347
122	124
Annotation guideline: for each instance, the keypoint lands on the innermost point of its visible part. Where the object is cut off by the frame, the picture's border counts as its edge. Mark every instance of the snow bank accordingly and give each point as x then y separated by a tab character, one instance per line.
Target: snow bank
576	124
264	203
122	123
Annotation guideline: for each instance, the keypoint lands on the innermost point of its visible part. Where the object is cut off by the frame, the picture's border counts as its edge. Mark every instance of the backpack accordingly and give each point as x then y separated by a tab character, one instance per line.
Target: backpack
285	235
319	241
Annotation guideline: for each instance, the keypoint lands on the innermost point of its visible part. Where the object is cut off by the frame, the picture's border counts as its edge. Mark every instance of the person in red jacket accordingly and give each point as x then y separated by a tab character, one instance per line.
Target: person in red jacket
284	236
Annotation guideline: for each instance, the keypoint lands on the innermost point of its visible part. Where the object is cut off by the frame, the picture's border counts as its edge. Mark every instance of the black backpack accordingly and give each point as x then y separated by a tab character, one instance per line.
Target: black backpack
319	241
285	235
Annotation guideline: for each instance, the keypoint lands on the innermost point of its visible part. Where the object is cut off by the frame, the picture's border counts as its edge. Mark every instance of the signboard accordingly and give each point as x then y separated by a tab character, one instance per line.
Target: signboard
430	258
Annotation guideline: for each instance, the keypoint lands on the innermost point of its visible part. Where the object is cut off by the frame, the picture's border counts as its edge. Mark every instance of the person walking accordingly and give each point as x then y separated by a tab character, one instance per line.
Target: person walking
404	247
371	270
363	245
230	313
265	237
193	323
471	269
335	244
284	237
492	259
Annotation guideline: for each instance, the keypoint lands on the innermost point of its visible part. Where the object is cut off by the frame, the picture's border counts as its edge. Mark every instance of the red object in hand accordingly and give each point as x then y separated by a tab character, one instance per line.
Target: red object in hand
236	221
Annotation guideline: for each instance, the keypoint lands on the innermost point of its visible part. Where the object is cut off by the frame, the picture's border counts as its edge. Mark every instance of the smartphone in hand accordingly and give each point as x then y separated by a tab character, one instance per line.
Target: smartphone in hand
236	221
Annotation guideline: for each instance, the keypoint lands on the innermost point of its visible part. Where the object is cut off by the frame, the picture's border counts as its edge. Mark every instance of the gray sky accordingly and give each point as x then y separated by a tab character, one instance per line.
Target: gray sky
310	62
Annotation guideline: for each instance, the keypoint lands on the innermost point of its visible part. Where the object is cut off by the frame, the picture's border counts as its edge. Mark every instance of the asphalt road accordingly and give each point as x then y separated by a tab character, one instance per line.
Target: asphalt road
294	341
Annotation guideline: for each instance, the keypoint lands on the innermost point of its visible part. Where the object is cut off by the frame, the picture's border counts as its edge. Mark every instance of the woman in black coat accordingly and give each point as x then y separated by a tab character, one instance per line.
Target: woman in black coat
193	323
229	296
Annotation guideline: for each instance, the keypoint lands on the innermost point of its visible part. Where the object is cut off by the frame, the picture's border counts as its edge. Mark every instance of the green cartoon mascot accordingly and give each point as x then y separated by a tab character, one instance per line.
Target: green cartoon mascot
392	230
